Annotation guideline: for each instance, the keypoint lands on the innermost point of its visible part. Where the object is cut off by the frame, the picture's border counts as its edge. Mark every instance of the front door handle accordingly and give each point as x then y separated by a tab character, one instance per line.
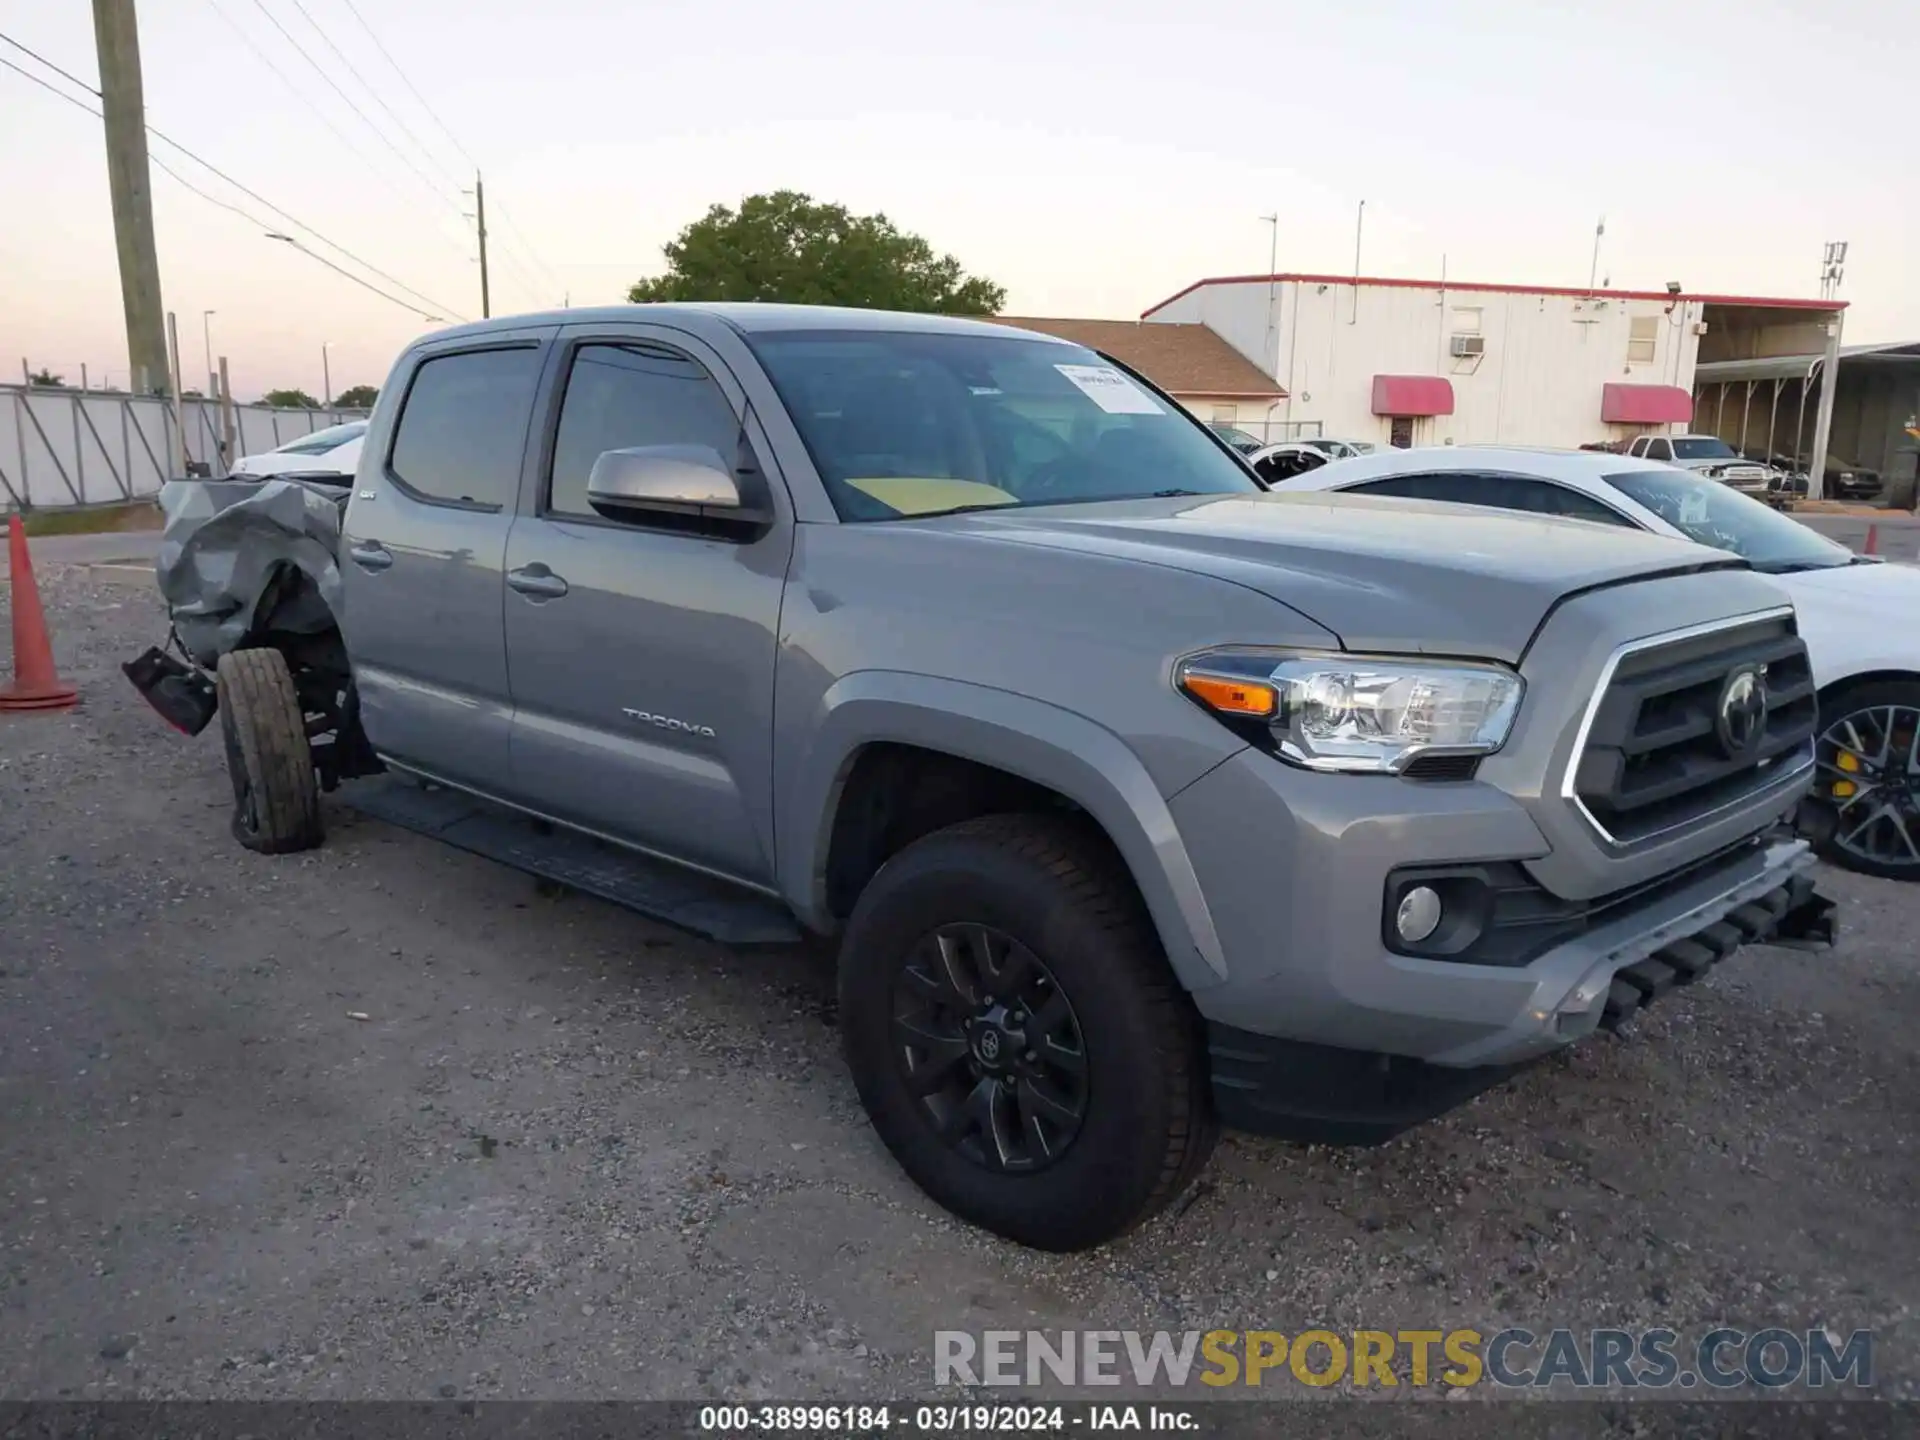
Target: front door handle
537	582
370	555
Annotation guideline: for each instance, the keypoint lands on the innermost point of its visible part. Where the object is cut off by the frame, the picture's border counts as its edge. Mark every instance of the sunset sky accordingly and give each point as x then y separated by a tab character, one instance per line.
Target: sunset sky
1093	156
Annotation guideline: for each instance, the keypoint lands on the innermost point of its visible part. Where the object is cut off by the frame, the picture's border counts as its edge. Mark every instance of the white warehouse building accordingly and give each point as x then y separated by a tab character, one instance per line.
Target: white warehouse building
1433	362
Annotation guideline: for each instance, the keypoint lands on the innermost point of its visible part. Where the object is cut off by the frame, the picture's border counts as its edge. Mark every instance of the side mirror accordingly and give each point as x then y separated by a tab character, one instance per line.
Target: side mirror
688	479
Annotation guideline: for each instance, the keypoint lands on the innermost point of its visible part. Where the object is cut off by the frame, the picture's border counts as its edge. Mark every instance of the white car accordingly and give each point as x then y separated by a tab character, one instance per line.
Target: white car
332	451
1855	613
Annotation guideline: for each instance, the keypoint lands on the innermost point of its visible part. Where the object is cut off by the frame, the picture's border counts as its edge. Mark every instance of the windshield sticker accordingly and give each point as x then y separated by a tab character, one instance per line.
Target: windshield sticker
1693	508
1110	390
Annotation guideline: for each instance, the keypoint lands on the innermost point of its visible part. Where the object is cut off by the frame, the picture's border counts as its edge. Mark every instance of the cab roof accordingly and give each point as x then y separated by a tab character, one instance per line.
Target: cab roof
750	318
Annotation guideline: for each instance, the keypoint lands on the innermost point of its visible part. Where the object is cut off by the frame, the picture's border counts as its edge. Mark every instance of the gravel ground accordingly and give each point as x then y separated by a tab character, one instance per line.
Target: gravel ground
384	1120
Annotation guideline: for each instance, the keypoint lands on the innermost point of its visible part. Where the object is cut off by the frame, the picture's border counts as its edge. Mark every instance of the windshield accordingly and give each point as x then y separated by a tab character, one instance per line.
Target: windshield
1689	448
902	424
321	441
1708	512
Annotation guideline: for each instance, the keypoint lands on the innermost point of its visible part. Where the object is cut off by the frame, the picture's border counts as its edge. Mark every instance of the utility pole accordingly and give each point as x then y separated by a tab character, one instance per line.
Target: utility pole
116	37
1823	410
480	220
174	387
227	457
326	375
1359	228
1593	274
1273	264
206	333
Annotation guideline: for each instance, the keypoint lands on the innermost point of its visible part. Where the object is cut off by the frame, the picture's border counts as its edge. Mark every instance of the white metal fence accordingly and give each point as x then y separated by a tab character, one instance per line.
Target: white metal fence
60	449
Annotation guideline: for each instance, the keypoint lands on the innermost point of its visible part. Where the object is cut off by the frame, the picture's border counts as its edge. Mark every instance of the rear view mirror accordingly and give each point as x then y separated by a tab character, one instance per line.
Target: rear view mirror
687	479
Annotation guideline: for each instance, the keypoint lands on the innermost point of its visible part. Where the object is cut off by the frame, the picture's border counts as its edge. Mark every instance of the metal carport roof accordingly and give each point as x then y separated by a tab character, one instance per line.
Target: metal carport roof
1800	367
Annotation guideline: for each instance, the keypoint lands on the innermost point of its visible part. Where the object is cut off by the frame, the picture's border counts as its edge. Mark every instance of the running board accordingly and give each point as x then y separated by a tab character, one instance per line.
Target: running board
659	890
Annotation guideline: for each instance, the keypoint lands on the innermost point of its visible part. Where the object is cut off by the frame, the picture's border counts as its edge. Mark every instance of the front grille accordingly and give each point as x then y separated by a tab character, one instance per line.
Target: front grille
1658	752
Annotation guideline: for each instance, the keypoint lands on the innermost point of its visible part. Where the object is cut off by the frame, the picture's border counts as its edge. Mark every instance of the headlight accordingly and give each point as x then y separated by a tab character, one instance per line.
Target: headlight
1357	713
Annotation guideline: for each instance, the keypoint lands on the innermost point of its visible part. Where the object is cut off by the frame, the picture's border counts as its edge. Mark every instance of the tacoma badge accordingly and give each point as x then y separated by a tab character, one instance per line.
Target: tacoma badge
667	722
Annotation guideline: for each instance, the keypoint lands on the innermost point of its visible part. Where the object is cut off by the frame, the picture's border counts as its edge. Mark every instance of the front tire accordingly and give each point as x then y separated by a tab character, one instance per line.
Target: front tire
276	796
1017	1037
1868	754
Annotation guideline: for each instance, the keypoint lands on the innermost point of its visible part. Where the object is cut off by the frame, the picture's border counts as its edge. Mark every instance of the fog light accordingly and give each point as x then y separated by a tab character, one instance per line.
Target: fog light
1419	914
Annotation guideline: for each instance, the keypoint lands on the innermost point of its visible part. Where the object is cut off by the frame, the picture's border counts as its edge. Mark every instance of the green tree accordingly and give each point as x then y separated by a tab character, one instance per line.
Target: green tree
356	397
290	400
47	378
789	247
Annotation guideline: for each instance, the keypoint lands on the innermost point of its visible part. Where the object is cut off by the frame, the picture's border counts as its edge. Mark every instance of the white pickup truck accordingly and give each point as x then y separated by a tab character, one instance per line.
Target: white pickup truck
1712	457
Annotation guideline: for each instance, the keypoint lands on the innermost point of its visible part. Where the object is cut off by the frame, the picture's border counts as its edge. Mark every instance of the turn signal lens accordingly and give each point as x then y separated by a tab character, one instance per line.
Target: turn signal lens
1230	695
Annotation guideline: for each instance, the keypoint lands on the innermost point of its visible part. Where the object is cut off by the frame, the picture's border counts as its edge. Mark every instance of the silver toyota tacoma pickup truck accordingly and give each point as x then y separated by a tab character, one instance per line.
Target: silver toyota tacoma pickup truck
1138	800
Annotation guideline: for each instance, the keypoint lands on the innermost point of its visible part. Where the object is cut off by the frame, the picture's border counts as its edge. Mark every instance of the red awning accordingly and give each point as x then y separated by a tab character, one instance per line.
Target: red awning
1412	395
1645	405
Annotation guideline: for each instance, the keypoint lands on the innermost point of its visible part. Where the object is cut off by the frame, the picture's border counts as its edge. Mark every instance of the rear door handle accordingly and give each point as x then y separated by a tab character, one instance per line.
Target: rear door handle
537	582
370	555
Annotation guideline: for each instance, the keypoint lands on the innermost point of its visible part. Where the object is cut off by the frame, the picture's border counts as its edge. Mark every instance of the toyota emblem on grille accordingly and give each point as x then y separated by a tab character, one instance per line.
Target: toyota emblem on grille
1741	720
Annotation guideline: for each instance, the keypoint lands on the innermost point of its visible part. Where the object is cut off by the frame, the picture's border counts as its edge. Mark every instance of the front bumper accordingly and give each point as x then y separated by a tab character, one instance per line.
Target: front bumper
1322	1094
1320	1032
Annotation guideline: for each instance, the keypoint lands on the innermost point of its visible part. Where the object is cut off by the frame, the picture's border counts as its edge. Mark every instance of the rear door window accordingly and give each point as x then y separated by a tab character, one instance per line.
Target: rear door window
463	426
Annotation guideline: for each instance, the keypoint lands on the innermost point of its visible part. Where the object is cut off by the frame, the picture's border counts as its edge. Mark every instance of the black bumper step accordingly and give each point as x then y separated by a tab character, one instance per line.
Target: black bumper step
679	897
1789	913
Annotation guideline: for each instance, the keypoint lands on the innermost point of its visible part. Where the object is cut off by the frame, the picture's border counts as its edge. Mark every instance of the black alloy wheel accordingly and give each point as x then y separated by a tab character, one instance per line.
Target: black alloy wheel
1868	756
1017	1035
991	1046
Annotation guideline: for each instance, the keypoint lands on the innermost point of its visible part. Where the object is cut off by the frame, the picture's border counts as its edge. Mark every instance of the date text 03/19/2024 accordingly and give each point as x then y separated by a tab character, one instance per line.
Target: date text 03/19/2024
731	1420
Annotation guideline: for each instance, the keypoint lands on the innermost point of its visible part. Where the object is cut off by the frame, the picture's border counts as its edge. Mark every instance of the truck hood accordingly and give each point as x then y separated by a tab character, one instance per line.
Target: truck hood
1399	576
1717	464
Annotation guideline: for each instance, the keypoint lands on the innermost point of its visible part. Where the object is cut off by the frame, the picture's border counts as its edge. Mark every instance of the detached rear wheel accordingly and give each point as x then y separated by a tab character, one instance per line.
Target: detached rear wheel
1868	756
276	796
1016	1036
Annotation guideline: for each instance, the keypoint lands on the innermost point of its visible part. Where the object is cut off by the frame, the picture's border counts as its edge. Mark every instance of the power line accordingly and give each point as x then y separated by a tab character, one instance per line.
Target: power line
50	89
525	245
378	99
319	113
235	209
395	64
356	279
352	105
63	74
298	223
513	230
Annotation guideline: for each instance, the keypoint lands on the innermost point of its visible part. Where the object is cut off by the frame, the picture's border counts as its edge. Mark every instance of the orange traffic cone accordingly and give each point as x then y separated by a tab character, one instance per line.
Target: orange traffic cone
1873	540
35	684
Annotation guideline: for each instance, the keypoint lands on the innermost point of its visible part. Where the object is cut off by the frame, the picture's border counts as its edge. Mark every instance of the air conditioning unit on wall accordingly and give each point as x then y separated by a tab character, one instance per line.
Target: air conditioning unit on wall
1467	346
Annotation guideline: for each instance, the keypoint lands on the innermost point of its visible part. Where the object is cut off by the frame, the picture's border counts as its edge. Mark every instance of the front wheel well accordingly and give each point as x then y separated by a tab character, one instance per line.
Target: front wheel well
1836	689
894	794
